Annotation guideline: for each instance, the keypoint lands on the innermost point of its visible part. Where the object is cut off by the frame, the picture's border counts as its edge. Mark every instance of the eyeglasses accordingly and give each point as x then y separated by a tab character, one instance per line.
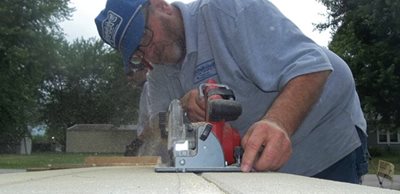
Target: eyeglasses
137	58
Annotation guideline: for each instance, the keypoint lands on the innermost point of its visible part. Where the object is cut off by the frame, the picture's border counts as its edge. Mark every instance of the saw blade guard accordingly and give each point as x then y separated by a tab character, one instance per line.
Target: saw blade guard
175	125
193	147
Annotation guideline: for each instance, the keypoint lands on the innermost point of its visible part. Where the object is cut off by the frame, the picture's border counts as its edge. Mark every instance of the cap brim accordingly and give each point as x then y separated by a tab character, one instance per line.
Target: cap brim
132	38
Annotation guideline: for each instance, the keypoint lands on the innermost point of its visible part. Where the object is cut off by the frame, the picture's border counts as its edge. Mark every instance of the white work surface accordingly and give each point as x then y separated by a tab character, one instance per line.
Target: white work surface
135	179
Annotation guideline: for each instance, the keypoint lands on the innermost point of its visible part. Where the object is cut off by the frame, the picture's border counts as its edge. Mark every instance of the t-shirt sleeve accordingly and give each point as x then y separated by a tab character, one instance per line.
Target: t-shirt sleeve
269	49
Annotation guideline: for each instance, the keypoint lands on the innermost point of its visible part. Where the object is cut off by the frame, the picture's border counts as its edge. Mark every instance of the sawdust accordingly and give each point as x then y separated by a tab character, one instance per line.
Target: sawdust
153	144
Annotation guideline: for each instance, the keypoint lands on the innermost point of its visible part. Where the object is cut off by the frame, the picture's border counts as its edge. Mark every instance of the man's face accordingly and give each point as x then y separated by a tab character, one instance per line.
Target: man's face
167	45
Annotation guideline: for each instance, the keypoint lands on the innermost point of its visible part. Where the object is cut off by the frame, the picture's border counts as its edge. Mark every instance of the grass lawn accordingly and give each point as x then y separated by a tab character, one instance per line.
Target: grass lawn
43	160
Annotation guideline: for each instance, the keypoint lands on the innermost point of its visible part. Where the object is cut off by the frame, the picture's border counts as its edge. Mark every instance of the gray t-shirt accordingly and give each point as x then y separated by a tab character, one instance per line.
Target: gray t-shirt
255	50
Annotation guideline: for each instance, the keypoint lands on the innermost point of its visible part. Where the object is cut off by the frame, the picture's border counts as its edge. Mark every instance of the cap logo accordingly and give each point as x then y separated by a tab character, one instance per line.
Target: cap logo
110	27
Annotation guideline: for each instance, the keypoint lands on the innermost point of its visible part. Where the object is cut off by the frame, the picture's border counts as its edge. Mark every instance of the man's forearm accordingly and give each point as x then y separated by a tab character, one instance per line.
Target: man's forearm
296	100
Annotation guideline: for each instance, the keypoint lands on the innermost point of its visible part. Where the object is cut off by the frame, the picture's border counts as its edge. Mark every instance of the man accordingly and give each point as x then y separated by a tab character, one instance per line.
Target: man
300	107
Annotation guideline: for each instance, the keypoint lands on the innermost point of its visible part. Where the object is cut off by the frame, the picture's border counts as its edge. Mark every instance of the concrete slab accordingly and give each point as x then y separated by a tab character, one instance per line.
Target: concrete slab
126	179
137	179
284	183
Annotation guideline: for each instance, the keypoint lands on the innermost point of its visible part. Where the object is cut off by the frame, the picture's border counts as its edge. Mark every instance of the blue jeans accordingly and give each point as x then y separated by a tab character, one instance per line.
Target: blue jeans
350	168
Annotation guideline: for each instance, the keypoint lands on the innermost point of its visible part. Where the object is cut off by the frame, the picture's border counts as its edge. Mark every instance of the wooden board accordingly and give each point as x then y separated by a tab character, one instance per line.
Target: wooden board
122	161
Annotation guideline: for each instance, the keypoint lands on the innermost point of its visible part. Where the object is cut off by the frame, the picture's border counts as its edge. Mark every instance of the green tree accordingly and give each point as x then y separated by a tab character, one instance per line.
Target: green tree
88	87
366	33
29	34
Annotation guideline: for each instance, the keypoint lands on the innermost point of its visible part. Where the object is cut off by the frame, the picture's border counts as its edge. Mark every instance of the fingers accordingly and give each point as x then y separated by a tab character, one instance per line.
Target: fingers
200	103
194	105
251	145
275	154
266	147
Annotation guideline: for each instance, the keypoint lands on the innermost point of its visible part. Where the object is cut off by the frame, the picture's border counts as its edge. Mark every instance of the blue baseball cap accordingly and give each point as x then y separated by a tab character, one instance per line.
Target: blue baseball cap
121	25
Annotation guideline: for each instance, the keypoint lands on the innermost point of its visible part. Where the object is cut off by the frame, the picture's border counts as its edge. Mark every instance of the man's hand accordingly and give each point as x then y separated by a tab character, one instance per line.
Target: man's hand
194	105
267	146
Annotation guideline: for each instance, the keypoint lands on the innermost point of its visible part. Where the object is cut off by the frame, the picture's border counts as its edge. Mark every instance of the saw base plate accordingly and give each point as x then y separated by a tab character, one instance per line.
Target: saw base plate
198	169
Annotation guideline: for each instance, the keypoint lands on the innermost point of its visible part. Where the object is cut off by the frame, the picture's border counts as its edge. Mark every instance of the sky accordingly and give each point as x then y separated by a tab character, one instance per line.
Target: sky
304	13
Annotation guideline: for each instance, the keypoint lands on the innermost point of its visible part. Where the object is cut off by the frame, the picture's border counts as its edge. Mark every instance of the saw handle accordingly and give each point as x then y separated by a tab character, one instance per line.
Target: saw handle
220	107
220	102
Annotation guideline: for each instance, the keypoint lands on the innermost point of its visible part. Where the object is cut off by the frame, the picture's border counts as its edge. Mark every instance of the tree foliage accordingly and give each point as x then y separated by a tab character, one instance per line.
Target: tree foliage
366	33
87	87
45	79
29	34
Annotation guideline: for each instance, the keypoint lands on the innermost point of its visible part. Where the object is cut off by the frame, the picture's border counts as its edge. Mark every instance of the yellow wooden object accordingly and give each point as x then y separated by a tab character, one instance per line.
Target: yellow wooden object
385	171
